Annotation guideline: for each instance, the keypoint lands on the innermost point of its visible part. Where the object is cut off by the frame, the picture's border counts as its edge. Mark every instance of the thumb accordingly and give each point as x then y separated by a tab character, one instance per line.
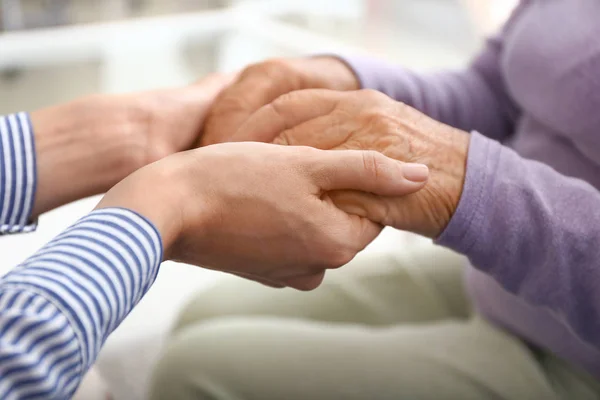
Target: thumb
250	91
367	171
287	111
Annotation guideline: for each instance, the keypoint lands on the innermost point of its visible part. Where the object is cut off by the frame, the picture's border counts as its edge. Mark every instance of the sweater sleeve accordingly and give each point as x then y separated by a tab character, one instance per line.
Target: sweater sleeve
535	231
474	98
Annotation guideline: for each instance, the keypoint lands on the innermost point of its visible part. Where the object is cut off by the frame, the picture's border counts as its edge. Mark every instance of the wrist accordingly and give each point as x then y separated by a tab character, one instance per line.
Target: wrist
448	176
444	149
85	147
465	227
156	192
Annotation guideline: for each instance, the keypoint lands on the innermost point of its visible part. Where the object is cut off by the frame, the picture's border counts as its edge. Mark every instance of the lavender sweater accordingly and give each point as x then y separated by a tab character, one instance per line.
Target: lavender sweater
529	216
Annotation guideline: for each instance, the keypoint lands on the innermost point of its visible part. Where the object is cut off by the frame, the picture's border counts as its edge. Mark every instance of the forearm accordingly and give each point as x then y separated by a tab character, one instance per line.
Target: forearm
59	306
533	230
85	147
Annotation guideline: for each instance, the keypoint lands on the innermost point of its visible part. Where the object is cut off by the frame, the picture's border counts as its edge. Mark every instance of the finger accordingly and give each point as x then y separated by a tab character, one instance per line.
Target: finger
367	171
306	283
361	204
386	211
287	111
325	133
255	87
363	229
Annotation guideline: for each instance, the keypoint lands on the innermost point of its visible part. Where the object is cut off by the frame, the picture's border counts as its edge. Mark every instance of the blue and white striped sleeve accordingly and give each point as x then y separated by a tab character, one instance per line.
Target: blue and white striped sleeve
60	305
17	173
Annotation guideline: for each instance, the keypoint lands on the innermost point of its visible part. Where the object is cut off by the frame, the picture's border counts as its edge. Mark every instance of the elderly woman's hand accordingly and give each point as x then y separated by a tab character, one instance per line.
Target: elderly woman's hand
370	120
261	83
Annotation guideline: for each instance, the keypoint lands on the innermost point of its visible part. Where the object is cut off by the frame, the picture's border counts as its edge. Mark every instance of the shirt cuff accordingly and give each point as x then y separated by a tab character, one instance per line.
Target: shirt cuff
17	174
372	72
60	305
463	231
365	69
94	272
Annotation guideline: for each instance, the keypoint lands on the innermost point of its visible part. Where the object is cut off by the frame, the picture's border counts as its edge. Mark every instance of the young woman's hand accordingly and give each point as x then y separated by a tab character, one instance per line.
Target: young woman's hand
262	210
88	145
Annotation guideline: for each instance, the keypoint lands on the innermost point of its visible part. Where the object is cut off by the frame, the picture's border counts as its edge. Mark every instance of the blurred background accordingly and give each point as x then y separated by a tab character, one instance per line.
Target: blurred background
55	50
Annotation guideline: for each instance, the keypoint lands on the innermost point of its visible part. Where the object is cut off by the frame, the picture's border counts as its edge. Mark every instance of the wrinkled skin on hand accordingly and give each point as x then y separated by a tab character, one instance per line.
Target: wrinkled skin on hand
260	84
369	120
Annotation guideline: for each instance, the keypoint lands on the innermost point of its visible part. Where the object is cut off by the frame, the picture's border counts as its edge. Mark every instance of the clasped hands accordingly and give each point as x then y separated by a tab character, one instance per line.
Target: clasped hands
283	215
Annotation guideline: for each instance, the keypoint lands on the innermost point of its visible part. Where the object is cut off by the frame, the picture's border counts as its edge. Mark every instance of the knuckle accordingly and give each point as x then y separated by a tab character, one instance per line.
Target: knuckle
278	65
372	119
284	99
371	95
338	256
276	111
305	160
225	104
280	107
286	138
372	163
252	70
269	68
307	157
280	102
379	122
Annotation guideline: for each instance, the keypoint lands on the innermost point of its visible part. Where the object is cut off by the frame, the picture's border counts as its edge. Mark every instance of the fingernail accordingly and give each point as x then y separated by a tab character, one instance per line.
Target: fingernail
415	172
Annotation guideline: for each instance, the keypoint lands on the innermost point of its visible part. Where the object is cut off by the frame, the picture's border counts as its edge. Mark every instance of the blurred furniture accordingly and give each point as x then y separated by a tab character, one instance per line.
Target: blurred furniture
17	15
35	14
126	49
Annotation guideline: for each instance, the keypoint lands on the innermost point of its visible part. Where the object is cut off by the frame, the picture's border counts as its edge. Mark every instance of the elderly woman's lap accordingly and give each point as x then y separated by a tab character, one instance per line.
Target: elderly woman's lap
384	326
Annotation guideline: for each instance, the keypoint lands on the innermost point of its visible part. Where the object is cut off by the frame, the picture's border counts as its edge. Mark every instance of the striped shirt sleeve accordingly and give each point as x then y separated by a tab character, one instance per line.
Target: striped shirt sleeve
17	173
58	307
